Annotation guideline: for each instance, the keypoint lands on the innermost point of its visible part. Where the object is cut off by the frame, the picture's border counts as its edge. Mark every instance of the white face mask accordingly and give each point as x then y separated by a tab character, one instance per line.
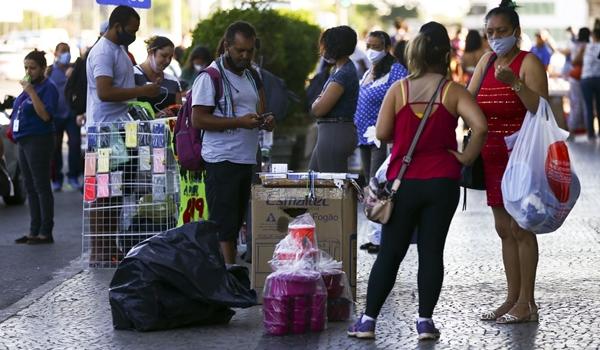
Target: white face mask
329	60
375	56
198	67
153	65
501	46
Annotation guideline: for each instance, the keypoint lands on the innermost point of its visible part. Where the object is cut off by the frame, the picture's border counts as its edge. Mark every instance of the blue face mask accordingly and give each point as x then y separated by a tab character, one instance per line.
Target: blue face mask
501	46
64	58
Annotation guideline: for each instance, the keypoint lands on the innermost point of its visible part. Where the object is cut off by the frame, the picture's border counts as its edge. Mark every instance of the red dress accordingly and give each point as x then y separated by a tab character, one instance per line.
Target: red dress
505	113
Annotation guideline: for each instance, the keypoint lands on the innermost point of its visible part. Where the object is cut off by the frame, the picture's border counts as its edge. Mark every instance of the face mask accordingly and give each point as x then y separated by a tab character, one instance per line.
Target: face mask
64	58
125	38
153	65
329	60
501	46
198	67
375	56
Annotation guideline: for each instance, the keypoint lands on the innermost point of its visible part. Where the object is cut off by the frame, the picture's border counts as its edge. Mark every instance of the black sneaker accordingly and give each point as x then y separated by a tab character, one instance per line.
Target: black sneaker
366	246
373	249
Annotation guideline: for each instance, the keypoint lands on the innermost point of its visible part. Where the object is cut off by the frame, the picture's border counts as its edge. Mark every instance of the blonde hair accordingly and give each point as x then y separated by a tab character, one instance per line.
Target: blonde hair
423	55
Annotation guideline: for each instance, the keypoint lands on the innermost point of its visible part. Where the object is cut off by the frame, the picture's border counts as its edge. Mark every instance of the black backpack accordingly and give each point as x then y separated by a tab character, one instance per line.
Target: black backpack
76	87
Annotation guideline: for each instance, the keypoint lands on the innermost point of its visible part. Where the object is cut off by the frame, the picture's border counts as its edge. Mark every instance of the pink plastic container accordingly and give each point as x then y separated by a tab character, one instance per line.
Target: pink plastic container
299	327
293	284
305	255
317	324
301	311
334	282
339	309
276	328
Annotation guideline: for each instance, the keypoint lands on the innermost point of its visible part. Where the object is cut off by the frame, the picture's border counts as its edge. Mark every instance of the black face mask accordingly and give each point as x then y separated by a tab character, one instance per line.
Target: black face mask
125	38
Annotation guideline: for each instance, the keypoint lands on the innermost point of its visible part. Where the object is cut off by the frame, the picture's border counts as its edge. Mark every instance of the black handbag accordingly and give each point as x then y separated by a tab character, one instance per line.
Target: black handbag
471	176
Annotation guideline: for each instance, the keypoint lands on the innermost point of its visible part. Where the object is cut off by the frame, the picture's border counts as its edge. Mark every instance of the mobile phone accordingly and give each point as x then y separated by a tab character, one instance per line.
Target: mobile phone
264	115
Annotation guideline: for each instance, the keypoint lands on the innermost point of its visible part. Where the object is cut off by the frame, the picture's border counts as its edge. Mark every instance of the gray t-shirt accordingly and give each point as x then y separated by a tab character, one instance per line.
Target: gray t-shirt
107	59
346	105
233	145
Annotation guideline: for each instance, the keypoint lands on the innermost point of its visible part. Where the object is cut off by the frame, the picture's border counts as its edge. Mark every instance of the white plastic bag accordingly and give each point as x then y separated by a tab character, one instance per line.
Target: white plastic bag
380	174
370	134
539	189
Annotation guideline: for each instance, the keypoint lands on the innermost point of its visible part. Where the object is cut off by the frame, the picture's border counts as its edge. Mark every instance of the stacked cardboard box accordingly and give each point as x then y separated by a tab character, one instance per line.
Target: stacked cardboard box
333	209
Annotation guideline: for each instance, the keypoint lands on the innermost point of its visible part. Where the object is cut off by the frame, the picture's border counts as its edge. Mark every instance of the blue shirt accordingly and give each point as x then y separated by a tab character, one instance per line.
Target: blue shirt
59	78
543	53
370	98
346	105
30	123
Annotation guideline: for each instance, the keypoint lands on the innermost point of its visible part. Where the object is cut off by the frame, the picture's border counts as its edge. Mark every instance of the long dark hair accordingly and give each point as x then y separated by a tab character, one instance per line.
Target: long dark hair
384	66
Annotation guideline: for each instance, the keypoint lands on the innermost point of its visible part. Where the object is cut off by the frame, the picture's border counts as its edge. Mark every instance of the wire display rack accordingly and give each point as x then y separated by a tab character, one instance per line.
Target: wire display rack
131	188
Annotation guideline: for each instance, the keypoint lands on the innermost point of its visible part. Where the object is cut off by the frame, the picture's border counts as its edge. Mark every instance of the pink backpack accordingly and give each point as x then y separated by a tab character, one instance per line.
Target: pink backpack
187	140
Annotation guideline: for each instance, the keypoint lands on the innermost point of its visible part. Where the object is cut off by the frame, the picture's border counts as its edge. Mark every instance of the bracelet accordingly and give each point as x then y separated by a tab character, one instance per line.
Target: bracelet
517	85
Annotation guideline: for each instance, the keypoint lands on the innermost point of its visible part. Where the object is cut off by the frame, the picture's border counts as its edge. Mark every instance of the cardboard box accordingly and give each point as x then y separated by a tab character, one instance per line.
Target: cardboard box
334	212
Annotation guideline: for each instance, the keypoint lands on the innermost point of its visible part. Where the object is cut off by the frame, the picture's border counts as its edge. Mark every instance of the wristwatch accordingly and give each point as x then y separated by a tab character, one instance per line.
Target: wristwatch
517	85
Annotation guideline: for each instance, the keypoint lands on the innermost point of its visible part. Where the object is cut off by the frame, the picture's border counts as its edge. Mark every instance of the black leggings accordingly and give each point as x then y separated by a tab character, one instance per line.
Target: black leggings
430	206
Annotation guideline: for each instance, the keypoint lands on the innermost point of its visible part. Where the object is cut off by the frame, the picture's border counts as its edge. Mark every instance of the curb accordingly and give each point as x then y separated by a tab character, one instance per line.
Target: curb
59	277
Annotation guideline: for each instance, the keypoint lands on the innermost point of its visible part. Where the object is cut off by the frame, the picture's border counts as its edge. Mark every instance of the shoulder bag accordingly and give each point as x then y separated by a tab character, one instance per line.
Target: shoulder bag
379	204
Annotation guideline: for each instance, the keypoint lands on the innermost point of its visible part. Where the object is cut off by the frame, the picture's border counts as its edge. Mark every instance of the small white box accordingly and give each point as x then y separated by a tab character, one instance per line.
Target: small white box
279	168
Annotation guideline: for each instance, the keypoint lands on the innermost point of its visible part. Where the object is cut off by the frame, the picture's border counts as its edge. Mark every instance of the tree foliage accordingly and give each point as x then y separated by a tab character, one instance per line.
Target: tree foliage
289	40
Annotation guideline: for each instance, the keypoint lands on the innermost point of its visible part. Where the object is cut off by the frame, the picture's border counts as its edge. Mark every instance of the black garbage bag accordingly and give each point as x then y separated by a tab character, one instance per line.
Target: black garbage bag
177	278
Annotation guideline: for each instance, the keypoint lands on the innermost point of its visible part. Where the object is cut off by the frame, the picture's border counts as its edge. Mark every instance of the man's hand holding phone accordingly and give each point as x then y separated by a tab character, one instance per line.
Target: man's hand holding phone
268	121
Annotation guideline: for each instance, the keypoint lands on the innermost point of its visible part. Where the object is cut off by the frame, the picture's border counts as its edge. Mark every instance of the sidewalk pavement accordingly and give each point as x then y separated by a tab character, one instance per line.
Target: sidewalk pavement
76	313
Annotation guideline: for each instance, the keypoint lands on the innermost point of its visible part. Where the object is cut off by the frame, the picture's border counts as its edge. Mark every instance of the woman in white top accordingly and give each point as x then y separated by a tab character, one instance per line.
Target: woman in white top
590	81
577	114
160	54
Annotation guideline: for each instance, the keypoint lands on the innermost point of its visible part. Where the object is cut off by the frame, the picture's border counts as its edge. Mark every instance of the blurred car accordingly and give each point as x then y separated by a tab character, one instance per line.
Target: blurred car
10	163
11	63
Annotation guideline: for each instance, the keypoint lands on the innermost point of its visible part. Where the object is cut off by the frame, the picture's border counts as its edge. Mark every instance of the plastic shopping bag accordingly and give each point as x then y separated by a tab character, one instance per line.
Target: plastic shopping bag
539	185
380	174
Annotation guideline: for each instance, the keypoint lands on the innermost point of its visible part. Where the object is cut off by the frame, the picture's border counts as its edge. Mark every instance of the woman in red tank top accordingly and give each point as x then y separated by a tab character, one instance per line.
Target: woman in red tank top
429	193
510	87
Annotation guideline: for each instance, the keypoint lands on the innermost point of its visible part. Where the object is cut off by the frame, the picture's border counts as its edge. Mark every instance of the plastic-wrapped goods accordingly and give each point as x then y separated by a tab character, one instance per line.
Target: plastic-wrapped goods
302	229
299	245
294	301
339	295
539	185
